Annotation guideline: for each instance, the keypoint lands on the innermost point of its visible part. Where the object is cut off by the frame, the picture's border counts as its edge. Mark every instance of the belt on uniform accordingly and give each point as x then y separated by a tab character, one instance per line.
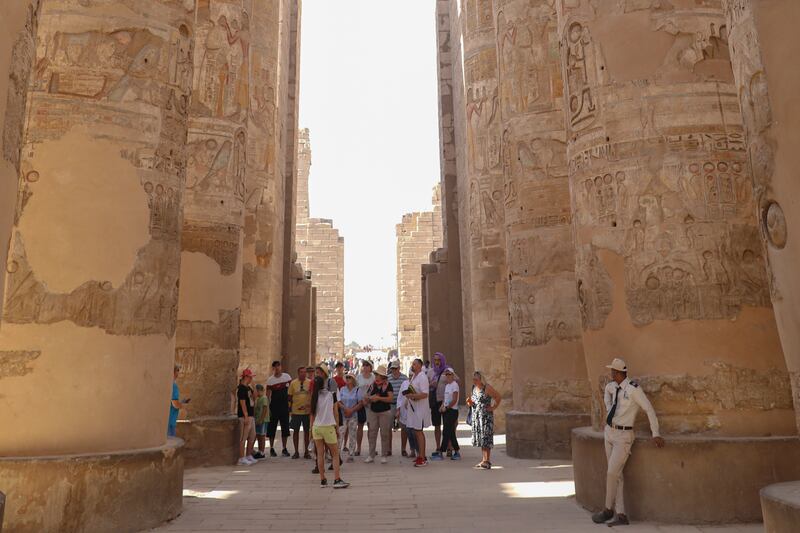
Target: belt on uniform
623	428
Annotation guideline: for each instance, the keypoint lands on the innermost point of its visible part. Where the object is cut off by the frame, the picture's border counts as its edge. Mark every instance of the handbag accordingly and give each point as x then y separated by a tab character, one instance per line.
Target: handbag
469	416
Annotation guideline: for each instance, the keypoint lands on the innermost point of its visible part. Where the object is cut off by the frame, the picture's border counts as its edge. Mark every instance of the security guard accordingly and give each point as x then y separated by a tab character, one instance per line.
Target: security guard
623	399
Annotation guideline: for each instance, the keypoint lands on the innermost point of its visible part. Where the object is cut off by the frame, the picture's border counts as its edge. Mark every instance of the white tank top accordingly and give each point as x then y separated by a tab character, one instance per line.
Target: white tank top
324	414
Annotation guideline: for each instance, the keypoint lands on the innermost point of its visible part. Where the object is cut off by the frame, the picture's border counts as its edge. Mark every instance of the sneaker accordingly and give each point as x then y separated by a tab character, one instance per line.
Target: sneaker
252	459
285	453
369	459
272	453
619	520
486	466
603	516
436	456
339	484
306	455
296	456
421	462
243	462
316	470
456	456
384	460
324	484
259	456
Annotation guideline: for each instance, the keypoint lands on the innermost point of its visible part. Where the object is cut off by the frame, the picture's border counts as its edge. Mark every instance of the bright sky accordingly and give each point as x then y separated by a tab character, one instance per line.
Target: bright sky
368	93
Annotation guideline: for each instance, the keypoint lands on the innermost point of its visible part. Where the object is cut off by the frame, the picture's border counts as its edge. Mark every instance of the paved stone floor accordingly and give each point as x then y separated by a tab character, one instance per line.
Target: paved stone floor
281	494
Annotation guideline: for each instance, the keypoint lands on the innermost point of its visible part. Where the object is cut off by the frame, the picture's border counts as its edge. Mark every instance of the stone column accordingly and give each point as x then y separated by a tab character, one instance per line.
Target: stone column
762	38
451	319
265	184
91	289
670	265
551	391
211	243
488	276
299	321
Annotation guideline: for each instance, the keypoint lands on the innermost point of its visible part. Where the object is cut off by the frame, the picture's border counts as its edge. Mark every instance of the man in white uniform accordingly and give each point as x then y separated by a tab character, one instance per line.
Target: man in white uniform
623	399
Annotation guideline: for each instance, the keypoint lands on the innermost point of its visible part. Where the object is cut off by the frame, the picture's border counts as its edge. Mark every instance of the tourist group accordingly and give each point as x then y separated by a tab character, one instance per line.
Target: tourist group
332	407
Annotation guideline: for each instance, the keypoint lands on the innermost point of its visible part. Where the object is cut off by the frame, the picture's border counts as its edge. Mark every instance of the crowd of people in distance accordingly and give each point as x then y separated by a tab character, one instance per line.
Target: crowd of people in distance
333	402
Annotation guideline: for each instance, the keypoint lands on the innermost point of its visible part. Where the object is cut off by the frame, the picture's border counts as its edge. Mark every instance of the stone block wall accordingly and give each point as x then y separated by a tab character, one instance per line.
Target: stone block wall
418	235
320	249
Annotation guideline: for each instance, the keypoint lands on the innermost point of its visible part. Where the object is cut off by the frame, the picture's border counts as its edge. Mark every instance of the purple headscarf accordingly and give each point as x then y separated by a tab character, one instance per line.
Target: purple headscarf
437	372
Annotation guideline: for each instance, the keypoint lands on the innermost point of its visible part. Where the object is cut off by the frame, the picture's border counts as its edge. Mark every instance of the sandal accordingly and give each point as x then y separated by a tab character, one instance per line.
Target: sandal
486	465
479	465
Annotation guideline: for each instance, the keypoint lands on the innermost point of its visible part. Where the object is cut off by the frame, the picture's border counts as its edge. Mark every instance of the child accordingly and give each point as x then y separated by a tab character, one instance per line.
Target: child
402	416
262	419
324	419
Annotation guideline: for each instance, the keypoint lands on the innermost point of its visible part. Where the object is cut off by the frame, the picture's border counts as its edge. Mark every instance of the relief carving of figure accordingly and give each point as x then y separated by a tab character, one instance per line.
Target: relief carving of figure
582	106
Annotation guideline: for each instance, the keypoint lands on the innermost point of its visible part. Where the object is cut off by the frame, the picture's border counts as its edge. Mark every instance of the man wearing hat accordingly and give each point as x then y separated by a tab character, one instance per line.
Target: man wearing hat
623	398
396	378
379	414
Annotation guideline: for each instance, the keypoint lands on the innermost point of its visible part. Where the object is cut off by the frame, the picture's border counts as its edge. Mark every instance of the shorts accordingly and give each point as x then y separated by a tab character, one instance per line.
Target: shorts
324	433
278	416
436	415
298	420
247	430
261	429
362	415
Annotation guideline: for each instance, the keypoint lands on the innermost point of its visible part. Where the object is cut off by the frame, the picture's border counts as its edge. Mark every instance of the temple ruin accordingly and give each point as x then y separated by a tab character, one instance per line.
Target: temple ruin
418	234
320	249
616	181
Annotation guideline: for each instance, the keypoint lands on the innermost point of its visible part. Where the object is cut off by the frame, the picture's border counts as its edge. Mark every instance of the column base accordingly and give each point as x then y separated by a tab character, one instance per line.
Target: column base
541	435
781	506
693	480
210	441
121	491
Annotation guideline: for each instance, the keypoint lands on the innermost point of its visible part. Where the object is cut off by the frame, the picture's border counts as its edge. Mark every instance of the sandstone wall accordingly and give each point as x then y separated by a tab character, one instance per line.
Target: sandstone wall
549	371
450	316
17	48
418	235
265	183
484	192
320	249
763	43
92	273
670	264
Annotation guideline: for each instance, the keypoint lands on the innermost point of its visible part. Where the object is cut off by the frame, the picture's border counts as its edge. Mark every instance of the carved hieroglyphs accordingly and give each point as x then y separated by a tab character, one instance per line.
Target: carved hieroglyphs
544	316
668	243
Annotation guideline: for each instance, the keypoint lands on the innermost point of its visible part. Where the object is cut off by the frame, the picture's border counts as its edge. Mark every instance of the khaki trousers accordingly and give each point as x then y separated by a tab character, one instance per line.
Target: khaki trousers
376	421
618	449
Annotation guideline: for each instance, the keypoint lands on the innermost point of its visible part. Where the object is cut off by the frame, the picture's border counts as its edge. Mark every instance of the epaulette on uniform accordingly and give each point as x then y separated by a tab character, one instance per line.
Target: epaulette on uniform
634	383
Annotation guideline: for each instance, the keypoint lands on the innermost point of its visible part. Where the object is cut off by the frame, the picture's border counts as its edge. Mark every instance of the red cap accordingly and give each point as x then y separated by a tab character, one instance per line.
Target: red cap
247	373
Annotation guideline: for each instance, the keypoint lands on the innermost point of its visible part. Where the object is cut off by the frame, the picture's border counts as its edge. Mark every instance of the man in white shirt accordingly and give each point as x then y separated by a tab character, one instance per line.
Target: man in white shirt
364	379
418	415
623	399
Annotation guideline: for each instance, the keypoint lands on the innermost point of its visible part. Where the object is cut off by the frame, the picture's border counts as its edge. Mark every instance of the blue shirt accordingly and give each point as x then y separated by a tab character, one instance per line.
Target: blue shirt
173	412
349	398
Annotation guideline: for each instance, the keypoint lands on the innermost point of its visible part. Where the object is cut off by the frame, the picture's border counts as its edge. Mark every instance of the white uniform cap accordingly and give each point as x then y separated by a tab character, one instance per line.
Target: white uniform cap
618	364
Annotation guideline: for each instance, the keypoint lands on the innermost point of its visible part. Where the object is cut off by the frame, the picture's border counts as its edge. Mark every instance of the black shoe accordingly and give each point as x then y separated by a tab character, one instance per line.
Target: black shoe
339	484
296	456
259	455
306	455
324	484
620	520
285	453
272	453
603	516
316	470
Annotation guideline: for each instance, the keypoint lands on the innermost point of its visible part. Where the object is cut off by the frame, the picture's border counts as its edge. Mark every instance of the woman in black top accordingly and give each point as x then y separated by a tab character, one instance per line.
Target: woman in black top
379	415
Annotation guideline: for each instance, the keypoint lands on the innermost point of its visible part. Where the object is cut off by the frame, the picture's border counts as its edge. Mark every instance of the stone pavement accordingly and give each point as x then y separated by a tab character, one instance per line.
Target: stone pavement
281	494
